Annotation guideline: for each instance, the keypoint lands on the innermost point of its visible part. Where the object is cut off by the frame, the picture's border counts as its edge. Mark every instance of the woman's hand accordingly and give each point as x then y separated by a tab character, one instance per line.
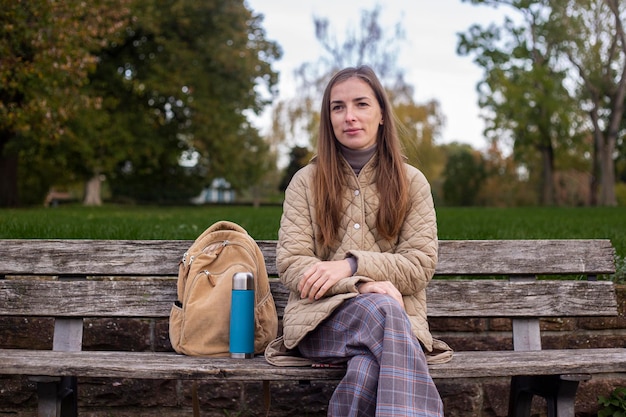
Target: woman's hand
381	287
319	278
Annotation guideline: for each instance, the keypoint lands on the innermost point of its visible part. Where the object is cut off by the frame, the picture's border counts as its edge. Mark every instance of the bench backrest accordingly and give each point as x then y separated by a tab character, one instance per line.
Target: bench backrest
74	279
100	278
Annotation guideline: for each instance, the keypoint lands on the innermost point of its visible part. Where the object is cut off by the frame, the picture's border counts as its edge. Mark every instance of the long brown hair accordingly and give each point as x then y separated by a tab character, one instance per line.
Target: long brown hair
391	178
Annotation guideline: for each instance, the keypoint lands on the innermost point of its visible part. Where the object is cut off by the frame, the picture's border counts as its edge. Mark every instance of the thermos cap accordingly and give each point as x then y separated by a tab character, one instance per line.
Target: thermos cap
243	281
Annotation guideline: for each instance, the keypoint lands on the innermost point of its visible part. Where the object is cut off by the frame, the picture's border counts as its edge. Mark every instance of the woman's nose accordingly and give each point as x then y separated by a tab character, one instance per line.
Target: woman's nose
350	115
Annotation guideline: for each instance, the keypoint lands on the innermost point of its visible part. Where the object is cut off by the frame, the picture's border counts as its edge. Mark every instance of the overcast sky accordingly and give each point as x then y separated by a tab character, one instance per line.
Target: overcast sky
428	58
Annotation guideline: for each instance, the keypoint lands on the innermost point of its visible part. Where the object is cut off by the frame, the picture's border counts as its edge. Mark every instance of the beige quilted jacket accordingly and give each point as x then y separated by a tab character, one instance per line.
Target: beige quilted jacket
409	262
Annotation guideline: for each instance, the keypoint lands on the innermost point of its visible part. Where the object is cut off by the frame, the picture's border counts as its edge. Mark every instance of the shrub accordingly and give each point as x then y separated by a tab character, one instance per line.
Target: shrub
614	405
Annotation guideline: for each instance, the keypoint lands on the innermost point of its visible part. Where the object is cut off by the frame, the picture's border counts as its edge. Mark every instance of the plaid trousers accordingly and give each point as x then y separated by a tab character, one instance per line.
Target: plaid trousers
387	374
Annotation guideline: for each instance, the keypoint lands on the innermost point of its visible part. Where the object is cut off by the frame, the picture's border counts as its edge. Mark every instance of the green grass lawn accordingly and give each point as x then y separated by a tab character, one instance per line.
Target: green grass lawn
134	222
148	222
535	223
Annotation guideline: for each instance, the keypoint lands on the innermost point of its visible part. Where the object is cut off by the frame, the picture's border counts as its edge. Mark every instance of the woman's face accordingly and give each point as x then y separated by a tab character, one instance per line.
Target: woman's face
355	113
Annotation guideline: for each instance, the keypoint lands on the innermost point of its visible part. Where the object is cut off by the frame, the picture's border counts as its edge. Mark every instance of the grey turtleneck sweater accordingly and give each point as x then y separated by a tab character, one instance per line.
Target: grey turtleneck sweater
357	158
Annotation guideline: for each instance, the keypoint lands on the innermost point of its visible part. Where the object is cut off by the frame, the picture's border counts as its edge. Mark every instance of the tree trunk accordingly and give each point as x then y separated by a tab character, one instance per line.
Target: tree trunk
92	191
547	177
594	184
607	168
256	196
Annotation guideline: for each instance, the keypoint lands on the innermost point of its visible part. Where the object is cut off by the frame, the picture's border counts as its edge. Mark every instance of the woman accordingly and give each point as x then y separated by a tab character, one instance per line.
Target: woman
357	247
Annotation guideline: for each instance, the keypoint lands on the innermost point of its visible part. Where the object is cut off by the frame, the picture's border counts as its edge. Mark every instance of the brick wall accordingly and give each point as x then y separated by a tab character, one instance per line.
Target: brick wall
138	398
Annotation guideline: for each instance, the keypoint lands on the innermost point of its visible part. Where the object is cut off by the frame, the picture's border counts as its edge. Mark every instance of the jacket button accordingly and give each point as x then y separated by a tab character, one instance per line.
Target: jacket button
357	226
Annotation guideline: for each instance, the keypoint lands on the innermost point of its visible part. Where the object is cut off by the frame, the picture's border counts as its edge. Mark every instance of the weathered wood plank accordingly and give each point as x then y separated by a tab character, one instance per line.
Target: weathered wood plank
91	257
526	257
446	298
84	257
477	298
544	298
161	257
171	366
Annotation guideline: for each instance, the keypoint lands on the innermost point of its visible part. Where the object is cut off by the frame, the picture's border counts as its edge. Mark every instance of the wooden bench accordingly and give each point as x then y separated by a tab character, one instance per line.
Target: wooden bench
70	280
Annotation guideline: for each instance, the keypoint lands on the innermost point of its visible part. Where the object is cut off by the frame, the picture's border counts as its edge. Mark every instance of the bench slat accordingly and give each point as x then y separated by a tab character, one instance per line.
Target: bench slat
526	257
83	257
446	298
476	298
165	365
161	257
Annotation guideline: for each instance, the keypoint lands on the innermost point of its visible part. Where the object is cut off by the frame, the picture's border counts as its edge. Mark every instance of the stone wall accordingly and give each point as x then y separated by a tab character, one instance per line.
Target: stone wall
138	398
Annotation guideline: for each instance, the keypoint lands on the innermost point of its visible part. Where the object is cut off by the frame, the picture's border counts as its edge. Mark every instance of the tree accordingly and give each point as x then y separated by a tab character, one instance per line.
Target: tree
420	125
582	47
230	61
464	175
594	41
524	94
179	86
505	184
151	88
45	57
298	157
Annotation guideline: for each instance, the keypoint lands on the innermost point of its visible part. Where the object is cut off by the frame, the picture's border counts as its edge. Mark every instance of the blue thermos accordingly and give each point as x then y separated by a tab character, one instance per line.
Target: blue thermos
242	316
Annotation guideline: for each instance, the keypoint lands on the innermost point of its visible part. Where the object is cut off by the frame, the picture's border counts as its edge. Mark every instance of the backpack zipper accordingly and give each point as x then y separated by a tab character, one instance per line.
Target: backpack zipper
224	243
191	259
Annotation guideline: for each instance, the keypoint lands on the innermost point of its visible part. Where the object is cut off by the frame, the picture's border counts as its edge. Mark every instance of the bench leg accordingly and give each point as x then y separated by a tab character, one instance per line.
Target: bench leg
69	396
562	403
520	399
47	402
57	396
558	390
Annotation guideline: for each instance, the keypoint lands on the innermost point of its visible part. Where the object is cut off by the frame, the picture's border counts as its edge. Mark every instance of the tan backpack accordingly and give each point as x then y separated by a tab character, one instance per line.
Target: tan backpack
200	319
